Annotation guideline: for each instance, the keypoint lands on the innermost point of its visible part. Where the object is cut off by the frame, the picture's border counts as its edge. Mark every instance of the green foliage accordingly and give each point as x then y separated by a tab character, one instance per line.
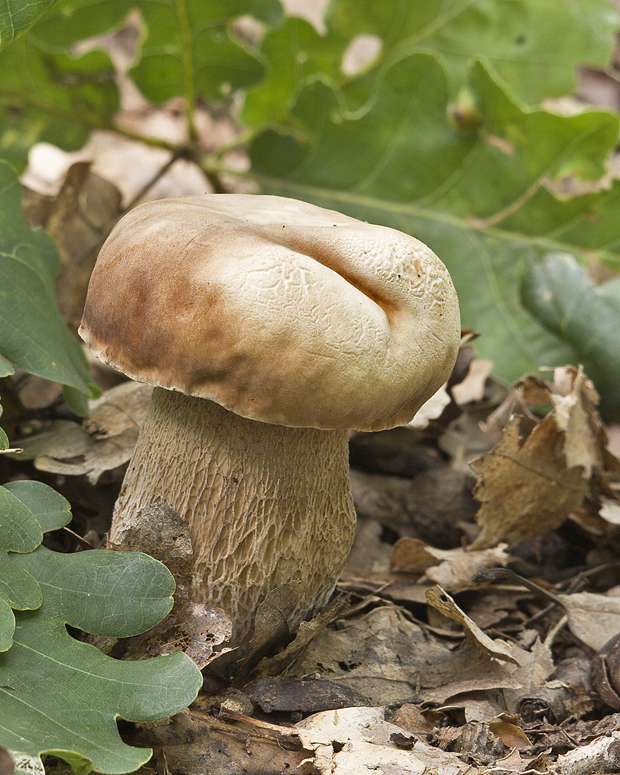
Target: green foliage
49	93
33	334
60	696
558	292
17	17
200	56
432	138
27	510
532	47
4	439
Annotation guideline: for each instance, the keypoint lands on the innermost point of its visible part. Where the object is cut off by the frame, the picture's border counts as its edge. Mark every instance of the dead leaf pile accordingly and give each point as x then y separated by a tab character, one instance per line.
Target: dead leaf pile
543	469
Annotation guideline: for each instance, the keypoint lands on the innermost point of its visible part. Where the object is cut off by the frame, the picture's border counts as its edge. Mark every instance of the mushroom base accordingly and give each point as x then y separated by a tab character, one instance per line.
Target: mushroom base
265	505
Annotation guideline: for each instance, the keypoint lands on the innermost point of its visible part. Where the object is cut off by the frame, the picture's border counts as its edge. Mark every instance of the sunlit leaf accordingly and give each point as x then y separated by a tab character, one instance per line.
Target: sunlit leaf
533	46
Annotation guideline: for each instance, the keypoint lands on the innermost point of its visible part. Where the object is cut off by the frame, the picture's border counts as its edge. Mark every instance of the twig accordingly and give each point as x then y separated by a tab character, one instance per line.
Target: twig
505	574
601	755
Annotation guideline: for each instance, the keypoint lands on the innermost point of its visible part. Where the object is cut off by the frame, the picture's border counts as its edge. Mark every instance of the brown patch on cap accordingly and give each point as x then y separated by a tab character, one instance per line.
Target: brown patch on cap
278	310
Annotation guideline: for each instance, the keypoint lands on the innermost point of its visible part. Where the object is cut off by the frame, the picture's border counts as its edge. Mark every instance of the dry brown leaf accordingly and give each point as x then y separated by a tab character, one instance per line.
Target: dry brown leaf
574	413
610	511
86	207
387	658
594	619
104	441
198	742
525	486
431	410
410	555
441	601
458	566
542	469
472	387
354	741
119	409
452	569
510	734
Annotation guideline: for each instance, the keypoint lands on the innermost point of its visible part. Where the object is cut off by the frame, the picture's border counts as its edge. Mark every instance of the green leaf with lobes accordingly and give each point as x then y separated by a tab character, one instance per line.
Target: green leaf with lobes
4	439
533	47
62	696
27	510
188	48
19	532
17	17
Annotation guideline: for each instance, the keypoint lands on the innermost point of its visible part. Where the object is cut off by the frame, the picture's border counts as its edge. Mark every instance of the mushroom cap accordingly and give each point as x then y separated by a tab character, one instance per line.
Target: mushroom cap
279	310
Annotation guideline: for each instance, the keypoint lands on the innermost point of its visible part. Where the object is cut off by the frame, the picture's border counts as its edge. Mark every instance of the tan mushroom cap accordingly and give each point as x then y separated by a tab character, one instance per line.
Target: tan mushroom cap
276	309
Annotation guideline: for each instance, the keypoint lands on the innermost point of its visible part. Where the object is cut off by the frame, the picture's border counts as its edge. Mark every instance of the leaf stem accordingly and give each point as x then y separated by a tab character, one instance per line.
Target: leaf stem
187	49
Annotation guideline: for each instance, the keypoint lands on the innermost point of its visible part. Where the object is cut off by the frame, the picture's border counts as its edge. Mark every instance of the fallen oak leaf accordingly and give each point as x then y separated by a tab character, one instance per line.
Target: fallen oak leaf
442	602
524	486
542	470
528	486
360	740
510	734
592	618
102	442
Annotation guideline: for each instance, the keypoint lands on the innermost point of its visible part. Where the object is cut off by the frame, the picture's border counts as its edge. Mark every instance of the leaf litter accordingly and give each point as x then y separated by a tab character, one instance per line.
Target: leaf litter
422	663
433	667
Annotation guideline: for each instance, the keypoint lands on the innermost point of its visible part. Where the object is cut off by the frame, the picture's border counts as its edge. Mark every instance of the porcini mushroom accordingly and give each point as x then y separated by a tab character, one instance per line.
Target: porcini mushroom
269	327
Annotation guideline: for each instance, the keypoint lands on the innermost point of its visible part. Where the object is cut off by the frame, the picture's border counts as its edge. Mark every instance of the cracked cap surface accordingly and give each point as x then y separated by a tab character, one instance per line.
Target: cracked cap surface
279	310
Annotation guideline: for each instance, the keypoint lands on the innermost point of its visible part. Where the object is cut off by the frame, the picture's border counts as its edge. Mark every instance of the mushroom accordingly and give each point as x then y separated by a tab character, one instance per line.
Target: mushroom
269	328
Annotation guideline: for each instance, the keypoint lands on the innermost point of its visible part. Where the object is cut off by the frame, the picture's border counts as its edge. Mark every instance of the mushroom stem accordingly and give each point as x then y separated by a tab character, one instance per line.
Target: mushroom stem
265	504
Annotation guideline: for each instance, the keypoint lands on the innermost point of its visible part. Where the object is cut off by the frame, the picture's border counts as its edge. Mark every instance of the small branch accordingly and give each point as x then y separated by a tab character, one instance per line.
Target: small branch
601	755
187	46
242	139
215	181
505	574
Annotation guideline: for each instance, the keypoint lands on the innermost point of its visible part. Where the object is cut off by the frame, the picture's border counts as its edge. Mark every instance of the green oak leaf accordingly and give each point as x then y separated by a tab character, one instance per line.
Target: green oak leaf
481	198
533	46
559	293
27	510
19	532
49	508
49	93
5	370
16	17
60	696
33	334
7	625
190	49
